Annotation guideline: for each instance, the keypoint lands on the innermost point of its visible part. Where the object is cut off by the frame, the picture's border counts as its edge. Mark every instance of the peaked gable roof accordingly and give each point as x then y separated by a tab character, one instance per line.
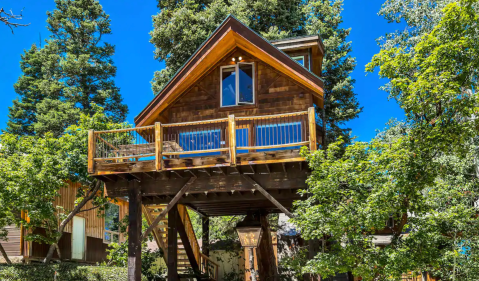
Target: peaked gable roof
229	35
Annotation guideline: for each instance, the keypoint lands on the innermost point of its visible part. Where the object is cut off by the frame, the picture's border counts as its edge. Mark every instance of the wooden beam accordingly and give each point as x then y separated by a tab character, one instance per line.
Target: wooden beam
168	207
158	146
268	196
134	232
205	225
91	151
312	129
232	139
172	262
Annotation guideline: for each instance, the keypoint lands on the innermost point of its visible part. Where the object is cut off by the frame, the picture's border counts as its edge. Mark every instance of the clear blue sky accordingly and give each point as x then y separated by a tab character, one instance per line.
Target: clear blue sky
131	24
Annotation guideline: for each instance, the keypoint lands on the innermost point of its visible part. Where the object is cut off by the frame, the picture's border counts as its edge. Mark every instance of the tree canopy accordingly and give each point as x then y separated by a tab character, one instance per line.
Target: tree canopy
417	181
73	70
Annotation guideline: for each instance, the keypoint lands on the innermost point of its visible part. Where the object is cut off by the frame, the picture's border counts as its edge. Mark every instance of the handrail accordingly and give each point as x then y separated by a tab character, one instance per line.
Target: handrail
272	116
212	121
126	129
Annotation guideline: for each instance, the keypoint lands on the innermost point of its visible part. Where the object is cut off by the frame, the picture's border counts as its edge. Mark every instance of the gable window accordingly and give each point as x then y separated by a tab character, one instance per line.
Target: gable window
112	221
299	59
237	84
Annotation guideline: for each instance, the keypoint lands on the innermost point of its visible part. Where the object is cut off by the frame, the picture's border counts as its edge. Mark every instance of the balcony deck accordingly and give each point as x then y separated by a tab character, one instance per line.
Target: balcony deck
211	144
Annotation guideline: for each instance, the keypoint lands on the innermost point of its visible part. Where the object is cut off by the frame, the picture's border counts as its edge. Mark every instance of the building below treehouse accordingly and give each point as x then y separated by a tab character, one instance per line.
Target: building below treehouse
85	239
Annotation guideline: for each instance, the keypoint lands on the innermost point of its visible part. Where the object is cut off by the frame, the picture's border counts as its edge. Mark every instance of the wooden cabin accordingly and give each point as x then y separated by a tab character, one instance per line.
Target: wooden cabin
223	137
85	239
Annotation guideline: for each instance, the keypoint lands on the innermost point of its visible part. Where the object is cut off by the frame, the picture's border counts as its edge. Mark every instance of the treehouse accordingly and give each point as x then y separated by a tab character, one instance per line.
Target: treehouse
223	137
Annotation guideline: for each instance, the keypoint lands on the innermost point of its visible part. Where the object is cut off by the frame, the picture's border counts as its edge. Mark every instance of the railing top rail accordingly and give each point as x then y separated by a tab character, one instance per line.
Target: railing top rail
126	129
221	120
209	259
272	116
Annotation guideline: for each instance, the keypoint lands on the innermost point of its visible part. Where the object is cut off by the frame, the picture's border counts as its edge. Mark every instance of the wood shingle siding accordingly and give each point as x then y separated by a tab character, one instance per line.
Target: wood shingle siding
275	94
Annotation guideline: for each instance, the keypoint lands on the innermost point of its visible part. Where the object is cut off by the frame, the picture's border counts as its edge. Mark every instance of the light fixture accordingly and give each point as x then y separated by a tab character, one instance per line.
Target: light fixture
250	232
240	58
233	59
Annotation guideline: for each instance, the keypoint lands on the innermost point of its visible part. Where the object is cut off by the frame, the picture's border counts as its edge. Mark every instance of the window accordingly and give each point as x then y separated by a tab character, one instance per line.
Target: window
299	59
237	84
112	221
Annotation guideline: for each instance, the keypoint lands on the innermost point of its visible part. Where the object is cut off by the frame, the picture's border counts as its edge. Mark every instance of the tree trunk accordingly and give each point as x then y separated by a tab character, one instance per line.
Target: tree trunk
70	216
4	254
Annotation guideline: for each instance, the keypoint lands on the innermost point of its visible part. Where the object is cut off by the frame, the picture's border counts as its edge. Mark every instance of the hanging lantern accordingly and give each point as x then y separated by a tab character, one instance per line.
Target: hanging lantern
249	231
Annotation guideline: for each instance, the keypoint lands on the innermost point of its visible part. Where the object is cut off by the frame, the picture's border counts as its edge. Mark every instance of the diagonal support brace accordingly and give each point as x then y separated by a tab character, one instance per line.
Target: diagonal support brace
267	195
168	207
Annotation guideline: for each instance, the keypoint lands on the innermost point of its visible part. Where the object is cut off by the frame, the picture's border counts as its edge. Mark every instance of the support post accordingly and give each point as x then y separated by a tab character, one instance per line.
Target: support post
91	151
267	267
312	129
134	232
205	225
232	139
172	262
158	146
251	264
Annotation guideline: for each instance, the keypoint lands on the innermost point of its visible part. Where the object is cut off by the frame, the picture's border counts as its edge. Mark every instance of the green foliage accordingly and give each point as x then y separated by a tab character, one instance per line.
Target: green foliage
34	168
422	173
182	26
72	71
63	272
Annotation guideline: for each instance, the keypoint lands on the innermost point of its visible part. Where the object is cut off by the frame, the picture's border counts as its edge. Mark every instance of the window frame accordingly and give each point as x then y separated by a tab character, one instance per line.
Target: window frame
111	232
236	67
297	57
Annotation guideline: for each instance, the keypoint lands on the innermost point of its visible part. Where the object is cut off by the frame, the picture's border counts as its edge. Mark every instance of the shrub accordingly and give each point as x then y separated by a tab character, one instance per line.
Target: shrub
63	272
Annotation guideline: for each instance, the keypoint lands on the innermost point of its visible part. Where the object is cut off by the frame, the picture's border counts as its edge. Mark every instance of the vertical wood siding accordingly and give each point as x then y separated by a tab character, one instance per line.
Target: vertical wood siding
94	224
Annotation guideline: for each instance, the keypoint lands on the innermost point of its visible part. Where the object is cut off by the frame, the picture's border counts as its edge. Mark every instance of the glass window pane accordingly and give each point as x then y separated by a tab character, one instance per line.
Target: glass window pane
112	217
228	87
245	83
107	236
300	60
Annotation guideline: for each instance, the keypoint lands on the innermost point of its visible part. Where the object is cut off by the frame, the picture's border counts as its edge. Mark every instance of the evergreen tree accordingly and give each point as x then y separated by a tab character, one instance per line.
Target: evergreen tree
182	26
74	70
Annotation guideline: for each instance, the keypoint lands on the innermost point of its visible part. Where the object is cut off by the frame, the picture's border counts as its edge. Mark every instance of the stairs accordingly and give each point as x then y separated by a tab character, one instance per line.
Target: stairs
208	268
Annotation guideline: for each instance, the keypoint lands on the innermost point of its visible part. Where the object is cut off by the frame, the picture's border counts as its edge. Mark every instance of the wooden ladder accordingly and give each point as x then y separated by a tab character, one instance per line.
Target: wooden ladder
208	268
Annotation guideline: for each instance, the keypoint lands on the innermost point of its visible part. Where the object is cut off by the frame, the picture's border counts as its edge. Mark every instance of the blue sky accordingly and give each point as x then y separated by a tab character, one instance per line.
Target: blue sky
131	24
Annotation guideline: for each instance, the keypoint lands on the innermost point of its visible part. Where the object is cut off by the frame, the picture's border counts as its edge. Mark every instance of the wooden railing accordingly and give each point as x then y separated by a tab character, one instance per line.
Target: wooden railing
207	266
224	139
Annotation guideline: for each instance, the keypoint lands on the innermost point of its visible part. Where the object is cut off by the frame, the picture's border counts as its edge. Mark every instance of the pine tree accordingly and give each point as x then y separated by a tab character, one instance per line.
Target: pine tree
72	71
340	103
182	26
22	115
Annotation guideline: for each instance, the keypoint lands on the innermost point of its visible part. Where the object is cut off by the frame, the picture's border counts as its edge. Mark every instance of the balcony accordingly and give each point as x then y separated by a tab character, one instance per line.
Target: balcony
227	142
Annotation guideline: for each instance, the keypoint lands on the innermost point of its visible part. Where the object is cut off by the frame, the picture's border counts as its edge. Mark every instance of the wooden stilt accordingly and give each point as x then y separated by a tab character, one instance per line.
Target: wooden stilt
134	232
268	269
205	224
172	263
